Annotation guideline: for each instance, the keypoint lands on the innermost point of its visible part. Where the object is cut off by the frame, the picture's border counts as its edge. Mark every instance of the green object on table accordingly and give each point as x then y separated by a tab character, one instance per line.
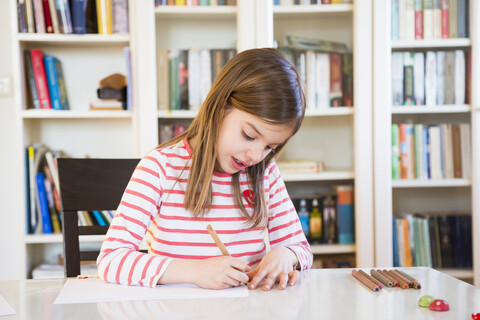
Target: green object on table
425	301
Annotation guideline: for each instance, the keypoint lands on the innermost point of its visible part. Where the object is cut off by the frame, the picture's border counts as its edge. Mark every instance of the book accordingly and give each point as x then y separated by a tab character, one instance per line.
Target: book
418	19
43	205
395	152
462	18
162	79
183	79
466	150
194	78
445	19
48	16
54	217
335	80
456	149
346	231
91	20
104	16
459	77
40	78
435	152
452	18
430	78
311	88
428	20
395	24
53	16
39	17
347	79
128	62
403	149
98	217
21	17
62	86
33	100
53	88
322	64
78	16
120	16
441	79
64	16
418	141
408	94
29	16
447	148
419	78
409	19
316	44
106	104
437	20
395	243
397	78
449	77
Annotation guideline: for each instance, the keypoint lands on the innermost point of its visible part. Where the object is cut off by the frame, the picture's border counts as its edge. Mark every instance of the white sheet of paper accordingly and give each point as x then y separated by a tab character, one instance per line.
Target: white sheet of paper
96	290
5	308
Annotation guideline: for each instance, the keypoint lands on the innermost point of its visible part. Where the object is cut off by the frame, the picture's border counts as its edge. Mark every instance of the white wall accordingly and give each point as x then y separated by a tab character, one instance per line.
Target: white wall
10	234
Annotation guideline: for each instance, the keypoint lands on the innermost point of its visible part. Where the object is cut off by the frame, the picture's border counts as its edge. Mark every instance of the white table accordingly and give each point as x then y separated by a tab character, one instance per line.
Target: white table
320	294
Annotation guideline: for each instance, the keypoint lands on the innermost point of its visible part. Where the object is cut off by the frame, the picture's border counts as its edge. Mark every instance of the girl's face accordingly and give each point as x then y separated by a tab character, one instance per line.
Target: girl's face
245	140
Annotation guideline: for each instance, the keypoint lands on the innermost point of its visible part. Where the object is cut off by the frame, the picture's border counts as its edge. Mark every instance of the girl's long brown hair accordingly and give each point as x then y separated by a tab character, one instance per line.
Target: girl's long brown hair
262	83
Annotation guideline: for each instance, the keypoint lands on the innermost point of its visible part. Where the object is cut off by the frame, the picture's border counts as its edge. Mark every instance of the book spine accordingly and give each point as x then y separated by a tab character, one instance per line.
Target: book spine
410	19
395	242
322	64
418	134
52	82
62	88
418	19
450	77
335	80
408	94
39	18
78	16
193	79
51	207
460	77
445	19
419	78
183	78
462	18
40	78
428	22
21	17
31	80
48	16
120	16
347	79
395	153
397	78
311	77
452	18
346	233
42	200
437	20
441	81
29	16
128	61
98	217
53	16
430	78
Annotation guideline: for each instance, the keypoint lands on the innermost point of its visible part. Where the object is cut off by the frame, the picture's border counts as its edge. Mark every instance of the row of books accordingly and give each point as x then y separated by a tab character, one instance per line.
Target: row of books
421	151
429	19
95	218
77	16
169	131
438	241
185	77
43	204
431	78
308	2
195	2
328	77
45	81
329	218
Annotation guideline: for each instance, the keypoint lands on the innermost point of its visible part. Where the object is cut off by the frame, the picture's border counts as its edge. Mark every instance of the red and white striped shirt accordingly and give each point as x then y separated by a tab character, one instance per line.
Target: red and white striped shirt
152	206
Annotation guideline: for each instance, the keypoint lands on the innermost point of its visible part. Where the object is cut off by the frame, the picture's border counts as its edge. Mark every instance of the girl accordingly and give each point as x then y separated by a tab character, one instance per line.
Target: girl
220	171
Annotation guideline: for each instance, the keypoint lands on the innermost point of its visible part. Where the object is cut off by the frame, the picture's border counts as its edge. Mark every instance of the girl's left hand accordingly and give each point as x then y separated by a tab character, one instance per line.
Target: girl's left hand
276	265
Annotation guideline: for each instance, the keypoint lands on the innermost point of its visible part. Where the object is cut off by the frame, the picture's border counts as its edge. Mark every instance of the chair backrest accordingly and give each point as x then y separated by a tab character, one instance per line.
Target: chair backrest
87	185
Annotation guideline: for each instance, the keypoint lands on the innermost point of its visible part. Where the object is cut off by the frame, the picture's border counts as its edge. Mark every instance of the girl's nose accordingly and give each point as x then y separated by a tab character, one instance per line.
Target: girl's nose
255	155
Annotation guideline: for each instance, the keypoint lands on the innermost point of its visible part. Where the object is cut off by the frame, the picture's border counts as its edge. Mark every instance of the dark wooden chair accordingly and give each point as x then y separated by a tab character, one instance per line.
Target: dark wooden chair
87	185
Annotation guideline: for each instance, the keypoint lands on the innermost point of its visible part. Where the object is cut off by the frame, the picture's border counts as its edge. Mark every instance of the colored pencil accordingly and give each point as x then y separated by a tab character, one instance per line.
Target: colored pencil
387	275
365	281
401	276
416	284
402	284
369	277
381	278
217	240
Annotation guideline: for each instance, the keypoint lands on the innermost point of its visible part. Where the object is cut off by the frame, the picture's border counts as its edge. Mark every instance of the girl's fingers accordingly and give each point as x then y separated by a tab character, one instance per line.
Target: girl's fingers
282	283
293	277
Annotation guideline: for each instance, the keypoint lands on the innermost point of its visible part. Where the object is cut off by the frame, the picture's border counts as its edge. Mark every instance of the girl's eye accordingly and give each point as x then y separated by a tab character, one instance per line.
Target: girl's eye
246	136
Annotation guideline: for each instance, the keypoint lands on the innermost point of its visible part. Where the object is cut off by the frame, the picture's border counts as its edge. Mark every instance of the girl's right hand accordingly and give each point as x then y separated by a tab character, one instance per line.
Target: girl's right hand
220	272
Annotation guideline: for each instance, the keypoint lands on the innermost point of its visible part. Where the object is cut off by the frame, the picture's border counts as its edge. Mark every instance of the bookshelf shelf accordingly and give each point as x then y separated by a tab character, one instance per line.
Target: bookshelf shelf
331	10
340	111
72	39
435	44
322	176
433	183
73	114
332	248
58	238
463	108
201	12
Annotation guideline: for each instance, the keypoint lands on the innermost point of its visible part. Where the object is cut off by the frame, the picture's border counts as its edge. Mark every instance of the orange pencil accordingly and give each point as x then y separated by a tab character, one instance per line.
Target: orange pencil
217	240
360	277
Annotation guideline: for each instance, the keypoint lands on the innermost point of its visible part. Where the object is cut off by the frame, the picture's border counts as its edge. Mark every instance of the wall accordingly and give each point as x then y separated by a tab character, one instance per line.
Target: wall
10	234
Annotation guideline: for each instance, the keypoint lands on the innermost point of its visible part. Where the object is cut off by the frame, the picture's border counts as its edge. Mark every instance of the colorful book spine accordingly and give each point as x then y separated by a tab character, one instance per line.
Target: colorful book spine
40	78
418	19
346	231
52	82
395	153
31	81
62	87
78	16
48	16
104	16
98	217
43	204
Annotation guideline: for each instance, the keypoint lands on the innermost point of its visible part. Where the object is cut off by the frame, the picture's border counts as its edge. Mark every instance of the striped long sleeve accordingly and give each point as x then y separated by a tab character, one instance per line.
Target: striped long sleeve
283	223
152	208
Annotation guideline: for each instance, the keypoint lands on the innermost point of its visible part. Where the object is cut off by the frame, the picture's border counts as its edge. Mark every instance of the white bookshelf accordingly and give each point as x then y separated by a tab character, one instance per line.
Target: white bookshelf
444	195
340	137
